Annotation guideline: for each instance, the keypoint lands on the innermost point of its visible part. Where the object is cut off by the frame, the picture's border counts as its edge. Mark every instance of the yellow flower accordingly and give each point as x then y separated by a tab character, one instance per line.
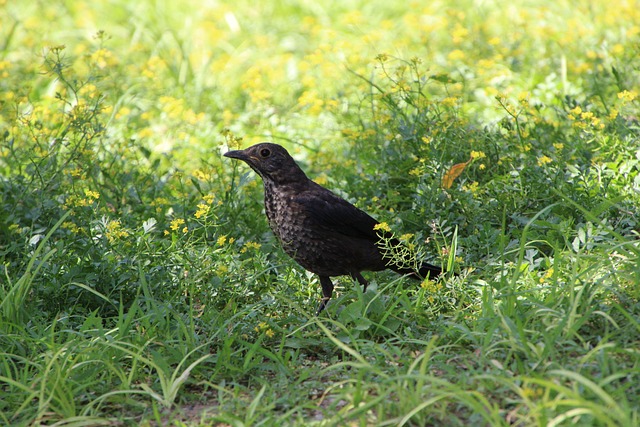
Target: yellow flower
203	210
428	285
455	55
261	326
310	99
416	171
382	226
114	231
543	160
104	58
532	393
577	111
250	245
176	223
91	195
321	179
627	96
478	154
449	101
202	175
153	66
264	327
472	187
77	173
459	33
546	275
407	236
221	240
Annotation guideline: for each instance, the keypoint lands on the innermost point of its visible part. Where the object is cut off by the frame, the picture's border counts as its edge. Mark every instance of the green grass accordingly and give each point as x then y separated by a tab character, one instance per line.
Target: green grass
140	284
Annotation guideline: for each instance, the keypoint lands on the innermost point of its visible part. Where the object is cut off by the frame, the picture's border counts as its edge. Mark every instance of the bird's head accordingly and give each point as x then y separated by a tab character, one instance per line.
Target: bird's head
271	161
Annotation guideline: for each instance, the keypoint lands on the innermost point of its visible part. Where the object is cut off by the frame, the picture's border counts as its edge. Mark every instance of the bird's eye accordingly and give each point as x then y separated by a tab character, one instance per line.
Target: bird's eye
265	152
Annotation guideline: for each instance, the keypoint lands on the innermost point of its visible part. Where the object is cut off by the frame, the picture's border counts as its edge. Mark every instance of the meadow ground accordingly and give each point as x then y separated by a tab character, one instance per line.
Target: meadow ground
140	283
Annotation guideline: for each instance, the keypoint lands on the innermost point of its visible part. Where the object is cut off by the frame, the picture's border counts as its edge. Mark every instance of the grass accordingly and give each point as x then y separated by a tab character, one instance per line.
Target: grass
141	285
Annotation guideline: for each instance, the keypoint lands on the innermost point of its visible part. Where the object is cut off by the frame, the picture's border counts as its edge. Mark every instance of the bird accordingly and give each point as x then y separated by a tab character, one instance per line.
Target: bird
320	230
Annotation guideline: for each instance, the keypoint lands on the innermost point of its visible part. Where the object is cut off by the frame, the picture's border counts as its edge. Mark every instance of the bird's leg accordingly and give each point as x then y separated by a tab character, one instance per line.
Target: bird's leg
358	276
327	291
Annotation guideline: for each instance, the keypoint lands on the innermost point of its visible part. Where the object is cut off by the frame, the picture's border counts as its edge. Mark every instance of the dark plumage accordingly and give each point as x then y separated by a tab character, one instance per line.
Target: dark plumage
321	231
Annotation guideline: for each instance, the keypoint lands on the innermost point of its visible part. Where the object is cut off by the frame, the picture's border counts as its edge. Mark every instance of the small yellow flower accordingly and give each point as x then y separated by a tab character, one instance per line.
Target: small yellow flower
203	210
459	33
221	240
449	101
202	175
382	226
176	223
310	99
416	171
250	245
532	393
576	111
261	326
472	187
455	55
546	275
264	327
321	179
114	231
428	285
523	98
627	96
104	58
587	115
478	154
92	195
543	160
77	173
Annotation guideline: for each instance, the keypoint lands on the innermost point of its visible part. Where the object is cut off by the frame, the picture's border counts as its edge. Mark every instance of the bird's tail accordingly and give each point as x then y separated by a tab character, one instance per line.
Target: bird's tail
430	270
426	269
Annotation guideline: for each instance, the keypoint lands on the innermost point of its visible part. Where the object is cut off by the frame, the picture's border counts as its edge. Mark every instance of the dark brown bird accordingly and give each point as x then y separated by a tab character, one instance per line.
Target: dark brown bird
321	231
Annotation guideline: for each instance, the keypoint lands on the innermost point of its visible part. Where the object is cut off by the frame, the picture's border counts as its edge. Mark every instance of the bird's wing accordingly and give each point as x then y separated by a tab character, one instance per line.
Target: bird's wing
336	214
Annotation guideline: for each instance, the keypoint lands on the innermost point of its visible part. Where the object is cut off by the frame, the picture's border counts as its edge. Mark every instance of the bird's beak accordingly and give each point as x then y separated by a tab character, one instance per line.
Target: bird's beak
237	154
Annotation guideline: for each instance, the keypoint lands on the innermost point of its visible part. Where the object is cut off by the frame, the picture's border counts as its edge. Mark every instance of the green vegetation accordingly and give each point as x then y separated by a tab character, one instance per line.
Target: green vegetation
140	284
